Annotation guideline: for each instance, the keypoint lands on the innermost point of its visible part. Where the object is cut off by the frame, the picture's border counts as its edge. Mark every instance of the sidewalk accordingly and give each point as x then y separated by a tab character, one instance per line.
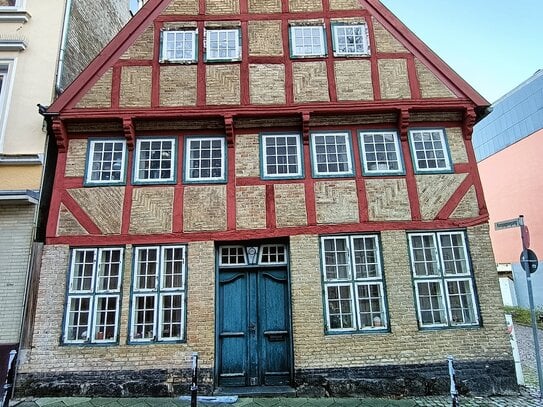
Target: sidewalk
524	400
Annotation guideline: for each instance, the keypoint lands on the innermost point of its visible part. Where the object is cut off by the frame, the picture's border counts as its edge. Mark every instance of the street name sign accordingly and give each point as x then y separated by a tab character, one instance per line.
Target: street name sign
507	224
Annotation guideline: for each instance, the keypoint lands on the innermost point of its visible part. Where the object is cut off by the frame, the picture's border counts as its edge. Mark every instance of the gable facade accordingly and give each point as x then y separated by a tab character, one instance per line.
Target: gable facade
267	183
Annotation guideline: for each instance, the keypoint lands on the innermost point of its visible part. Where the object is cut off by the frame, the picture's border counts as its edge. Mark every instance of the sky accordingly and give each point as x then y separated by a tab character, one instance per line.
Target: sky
495	45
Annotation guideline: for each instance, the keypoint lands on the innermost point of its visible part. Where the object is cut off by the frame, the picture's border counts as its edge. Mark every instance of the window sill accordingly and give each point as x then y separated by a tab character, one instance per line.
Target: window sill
9	15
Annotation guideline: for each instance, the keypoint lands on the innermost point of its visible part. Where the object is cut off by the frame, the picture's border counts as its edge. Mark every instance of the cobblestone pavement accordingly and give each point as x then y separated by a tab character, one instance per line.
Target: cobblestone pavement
526	399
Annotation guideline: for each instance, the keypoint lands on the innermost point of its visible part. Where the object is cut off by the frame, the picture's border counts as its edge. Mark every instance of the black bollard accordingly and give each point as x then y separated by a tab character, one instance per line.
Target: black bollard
194	385
7	389
454	392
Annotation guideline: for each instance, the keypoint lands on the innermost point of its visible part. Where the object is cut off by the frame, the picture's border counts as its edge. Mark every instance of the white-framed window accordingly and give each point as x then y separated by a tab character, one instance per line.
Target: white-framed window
331	154
281	156
106	162
273	254
223	44
443	279
179	46
205	159
353	284
6	80
380	152
94	296
430	151
232	256
350	39
307	41
158	294
155	160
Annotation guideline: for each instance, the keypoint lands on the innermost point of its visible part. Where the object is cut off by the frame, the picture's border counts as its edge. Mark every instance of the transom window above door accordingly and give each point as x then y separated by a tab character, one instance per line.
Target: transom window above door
264	254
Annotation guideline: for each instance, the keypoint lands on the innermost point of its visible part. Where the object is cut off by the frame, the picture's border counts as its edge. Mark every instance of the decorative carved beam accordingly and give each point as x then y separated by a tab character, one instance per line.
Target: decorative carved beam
469	121
306	117
229	129
61	135
129	133
403	123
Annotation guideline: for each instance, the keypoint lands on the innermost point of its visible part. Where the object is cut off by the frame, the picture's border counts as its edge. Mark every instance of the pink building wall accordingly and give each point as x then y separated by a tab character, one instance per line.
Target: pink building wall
513	185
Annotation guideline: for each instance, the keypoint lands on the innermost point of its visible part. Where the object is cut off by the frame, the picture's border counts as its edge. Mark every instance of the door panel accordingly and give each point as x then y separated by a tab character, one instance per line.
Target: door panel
254	328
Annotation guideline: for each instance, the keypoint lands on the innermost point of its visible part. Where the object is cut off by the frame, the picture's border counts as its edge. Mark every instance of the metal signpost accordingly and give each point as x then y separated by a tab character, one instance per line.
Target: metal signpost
529	262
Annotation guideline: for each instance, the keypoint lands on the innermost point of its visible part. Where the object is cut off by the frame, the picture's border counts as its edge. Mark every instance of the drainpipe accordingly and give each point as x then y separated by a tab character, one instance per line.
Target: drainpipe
62	52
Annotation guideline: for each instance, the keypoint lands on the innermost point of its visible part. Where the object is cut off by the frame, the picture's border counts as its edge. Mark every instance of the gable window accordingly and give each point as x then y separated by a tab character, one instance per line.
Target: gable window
350	39
353	284
307	41
430	151
106	162
380	152
155	159
443	279
179	46
281	156
331	154
94	292
158	294
205	159
223	45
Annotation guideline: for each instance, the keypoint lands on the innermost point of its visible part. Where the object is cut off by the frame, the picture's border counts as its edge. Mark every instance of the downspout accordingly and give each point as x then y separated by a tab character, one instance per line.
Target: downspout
62	52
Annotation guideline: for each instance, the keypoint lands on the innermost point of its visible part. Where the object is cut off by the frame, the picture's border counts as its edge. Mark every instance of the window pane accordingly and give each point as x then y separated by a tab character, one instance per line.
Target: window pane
206	160
106	161
78	319
223	44
431	307
330	151
155	160
173	267
172	312
429	145
336	259
350	39
461	301
424	255
144	317
109	270
281	155
340	307
82	270
146	268
370	306
388	158
366	257
453	253
106	318
307	41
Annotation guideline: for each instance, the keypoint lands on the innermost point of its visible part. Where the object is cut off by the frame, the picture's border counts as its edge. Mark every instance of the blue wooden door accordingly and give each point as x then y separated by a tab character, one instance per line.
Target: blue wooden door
254	338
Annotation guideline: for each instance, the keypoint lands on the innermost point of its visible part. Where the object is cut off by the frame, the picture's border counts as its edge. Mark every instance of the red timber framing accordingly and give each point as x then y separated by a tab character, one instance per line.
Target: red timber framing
467	102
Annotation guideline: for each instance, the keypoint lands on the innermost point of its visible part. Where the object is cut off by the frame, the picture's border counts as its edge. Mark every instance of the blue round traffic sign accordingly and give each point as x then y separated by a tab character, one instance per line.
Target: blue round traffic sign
529	264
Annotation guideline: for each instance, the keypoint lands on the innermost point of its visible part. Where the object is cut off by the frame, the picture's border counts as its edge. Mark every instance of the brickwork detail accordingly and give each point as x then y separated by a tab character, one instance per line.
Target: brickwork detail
345	5
222	6
393	79
267	84
136	86
143	47
16	224
187	7
353	80
388	199
456	145
310	82
435	190
265	38
103	205
178	85
290	207
264	6
384	40
99	95
75	158
336	202
204	208
68	225
251	207
222	84
298	6
430	85
468	206
151	210
247	155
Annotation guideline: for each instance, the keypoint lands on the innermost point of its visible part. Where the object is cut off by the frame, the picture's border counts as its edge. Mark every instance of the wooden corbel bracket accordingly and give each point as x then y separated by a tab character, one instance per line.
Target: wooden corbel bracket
306	117
61	135
229	130
403	123
129	133
469	121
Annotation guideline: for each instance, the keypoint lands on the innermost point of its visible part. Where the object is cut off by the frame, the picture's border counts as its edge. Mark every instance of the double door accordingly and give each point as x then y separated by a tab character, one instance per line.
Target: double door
253	327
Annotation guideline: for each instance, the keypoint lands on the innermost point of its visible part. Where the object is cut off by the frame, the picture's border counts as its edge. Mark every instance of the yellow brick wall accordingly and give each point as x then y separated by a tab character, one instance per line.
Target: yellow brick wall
290	207
187	7
384	40
75	158
457	146
136	86
298	6
264	6
265	38
345	5
267	84
68	225
247	155
222	6
353	80
393	79
310	82
99	95
143	47
204	208
430	85
151	210
223	84
468	206
435	190
251	207
178	85
387	200
103	205
336	202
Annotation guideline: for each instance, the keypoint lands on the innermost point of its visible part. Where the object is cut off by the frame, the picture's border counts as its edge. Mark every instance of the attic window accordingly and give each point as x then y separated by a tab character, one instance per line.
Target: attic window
223	44
179	46
307	41
350	39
